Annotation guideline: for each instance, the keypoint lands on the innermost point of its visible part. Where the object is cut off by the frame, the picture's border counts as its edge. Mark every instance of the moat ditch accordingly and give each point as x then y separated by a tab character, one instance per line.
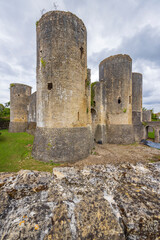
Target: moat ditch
116	154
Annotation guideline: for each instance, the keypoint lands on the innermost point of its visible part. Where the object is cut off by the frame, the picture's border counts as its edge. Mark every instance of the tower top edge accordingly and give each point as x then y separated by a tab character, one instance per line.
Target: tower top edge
116	57
59	13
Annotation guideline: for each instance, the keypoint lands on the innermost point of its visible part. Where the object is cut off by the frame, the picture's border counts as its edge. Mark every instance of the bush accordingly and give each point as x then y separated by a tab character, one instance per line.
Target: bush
1	108
154	117
5	112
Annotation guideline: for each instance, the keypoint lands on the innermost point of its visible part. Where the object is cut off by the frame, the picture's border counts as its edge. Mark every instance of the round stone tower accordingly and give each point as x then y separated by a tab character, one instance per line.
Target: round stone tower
116	72
19	99
136	98
63	131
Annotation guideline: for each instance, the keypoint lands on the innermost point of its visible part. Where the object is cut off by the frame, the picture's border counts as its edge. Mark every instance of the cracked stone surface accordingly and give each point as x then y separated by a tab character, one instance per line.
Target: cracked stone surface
96	202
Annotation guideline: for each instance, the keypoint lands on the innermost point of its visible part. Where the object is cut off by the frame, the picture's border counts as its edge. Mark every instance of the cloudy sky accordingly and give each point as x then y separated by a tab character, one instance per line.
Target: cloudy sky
114	26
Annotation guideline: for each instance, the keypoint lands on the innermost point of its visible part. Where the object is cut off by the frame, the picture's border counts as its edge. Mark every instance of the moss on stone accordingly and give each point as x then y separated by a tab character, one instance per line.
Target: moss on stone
92	93
144	123
37	23
43	62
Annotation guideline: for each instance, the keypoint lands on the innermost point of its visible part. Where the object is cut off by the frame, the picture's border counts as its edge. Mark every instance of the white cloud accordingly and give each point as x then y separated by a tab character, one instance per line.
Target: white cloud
151	83
113	26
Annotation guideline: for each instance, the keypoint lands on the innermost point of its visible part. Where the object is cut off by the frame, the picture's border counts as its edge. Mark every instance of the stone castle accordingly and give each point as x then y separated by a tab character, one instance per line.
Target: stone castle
60	114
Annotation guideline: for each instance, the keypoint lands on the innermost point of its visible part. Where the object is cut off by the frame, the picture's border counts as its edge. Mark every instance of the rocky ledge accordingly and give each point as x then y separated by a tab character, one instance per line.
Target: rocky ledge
96	202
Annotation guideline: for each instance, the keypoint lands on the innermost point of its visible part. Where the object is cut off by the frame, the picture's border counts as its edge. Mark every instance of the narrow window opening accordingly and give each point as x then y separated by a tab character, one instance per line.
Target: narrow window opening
78	116
82	51
119	100
94	103
93	113
50	86
129	99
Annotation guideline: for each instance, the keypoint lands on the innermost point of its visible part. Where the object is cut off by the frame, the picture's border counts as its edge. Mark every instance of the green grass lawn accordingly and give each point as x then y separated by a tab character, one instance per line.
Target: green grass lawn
151	135
15	153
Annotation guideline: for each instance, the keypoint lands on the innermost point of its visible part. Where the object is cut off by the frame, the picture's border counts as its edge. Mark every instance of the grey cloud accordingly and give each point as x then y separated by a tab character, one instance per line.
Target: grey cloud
6	69
152	100
148	93
134	23
144	44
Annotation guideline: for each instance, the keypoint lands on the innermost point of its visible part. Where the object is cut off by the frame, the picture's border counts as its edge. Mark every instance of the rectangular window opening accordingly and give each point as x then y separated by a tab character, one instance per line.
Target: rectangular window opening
50	86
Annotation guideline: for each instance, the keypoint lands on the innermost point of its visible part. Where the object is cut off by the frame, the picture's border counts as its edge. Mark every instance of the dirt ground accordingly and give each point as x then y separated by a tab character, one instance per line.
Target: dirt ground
115	154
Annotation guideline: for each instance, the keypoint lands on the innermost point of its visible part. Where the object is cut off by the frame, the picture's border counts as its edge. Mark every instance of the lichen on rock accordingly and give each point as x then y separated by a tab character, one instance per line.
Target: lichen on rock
96	202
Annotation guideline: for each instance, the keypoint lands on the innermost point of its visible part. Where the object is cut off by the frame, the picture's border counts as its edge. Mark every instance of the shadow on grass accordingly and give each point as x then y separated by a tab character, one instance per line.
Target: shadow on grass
2	138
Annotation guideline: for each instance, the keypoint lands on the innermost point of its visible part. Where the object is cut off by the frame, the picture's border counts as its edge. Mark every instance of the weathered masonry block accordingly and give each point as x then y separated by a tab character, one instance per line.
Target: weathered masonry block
19	99
63	126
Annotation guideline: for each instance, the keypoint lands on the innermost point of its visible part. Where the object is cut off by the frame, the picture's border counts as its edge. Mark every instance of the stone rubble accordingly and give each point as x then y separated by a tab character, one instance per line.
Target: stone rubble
96	202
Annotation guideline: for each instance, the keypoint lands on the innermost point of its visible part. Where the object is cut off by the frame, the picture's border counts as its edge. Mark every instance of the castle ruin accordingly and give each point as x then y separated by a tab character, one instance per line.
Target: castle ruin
60	115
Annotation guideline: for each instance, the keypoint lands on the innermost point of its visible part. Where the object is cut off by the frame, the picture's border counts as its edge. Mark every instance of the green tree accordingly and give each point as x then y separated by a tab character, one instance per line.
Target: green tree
1	108
7	104
4	111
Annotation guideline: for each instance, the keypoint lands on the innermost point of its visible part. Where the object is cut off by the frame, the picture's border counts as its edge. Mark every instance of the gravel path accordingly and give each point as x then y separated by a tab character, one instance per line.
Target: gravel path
115	154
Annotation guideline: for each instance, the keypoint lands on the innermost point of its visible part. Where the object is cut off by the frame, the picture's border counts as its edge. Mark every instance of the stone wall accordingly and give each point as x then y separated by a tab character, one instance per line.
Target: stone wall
139	132
62	145
146	116
120	134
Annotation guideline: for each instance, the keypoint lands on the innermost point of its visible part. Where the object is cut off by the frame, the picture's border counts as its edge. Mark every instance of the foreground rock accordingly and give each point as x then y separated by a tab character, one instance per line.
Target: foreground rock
97	202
